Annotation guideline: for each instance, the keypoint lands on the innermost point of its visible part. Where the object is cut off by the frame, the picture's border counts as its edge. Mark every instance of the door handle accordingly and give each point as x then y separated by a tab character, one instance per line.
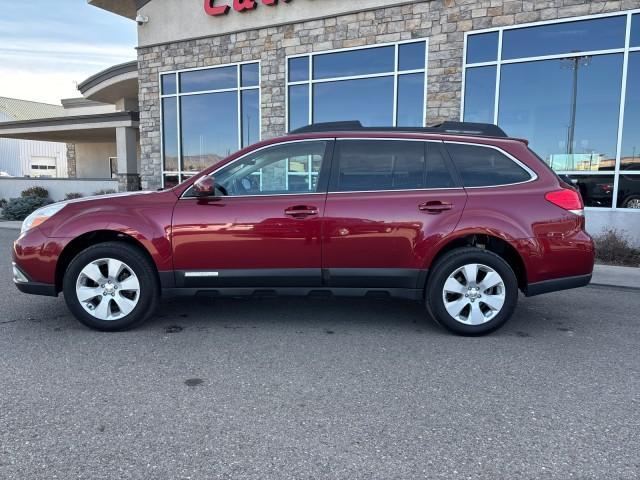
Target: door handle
301	211
435	206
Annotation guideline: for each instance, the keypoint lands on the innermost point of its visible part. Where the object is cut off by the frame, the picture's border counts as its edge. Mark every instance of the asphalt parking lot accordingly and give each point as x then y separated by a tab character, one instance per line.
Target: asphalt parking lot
320	389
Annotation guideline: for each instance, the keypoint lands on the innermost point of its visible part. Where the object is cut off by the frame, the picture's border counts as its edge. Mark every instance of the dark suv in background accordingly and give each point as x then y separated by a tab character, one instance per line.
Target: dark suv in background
459	216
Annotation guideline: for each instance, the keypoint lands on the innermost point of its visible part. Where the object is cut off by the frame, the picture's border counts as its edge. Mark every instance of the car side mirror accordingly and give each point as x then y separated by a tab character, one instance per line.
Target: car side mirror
205	187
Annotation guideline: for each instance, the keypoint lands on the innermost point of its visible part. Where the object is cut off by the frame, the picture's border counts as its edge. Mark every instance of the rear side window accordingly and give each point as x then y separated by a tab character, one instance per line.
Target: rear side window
485	166
367	165
438	173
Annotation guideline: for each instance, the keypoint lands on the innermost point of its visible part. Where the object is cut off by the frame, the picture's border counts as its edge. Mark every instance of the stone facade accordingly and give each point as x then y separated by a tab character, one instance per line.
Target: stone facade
443	22
71	160
128	182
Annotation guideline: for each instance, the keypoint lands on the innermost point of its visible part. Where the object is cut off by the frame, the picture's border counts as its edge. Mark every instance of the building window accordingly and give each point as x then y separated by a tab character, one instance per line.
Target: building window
207	114
113	167
382	85
566	86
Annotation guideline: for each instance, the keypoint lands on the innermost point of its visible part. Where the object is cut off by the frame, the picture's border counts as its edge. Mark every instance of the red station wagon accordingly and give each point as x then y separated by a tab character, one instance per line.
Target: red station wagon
459	216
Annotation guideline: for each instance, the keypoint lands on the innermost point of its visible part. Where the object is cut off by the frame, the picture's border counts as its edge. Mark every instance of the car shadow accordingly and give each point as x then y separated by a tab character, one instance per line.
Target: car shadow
537	316
327	313
294	312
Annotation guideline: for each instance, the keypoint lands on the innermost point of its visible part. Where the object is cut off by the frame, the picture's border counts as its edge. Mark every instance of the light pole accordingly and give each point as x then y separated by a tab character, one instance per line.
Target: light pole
574	63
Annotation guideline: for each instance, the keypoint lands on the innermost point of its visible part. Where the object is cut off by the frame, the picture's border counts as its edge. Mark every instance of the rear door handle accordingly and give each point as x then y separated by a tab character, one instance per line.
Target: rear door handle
435	206
301	211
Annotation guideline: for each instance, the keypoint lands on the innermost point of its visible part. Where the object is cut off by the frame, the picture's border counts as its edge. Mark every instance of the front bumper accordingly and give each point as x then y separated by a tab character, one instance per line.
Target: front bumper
26	285
34	263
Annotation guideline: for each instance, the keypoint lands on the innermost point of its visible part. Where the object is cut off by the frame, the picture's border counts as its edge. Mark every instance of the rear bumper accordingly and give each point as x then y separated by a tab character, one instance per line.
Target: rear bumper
557	284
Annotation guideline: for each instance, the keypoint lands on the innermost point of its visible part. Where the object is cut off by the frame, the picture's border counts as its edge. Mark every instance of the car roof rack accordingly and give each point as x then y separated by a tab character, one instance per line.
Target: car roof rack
450	128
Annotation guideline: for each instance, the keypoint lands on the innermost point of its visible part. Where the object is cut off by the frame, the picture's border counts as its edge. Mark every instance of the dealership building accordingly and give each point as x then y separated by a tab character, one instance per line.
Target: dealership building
217	75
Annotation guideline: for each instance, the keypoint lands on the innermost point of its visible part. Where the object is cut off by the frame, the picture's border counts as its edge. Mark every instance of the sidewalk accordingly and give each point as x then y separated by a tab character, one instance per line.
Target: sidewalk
624	277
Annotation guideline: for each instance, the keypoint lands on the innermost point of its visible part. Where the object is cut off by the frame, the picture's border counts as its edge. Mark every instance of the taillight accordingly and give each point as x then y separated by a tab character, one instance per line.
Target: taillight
567	198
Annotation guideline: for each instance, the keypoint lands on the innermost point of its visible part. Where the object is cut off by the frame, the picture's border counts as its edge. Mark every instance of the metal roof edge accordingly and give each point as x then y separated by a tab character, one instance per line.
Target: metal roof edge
108	74
71	120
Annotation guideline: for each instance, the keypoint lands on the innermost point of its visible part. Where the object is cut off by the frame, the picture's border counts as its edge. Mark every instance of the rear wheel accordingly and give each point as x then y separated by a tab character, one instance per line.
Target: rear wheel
111	286
472	291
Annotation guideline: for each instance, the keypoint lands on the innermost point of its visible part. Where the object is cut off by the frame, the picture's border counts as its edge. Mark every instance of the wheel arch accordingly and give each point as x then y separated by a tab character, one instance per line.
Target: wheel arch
86	240
501	247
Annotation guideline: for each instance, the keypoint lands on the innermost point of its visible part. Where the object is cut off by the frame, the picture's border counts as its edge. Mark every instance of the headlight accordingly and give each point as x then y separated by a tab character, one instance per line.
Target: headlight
41	215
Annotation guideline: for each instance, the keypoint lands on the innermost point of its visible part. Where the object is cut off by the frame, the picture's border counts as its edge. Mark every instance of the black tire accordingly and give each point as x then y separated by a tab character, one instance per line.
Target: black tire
144	269
446	266
628	200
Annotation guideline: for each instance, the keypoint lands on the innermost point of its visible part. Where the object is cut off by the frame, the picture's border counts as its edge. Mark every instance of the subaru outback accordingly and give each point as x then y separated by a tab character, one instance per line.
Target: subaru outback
459	216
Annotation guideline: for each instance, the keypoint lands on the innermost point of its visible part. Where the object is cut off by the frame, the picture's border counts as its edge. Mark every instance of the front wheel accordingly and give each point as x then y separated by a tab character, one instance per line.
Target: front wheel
111	286
472	291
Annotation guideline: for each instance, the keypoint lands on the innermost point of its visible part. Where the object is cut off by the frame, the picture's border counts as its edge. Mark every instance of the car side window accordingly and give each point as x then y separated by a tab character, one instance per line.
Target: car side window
365	165
484	166
438	170
281	169
369	165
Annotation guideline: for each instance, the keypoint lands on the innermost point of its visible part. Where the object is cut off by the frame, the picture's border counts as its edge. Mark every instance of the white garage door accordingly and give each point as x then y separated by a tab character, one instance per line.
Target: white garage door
43	167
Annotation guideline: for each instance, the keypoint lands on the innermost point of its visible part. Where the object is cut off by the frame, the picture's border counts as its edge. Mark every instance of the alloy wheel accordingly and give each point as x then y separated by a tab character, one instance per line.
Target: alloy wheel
474	294
108	289
633	203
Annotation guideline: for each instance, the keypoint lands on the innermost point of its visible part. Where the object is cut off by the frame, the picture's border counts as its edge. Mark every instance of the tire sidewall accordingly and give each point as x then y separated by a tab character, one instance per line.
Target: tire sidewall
148	295
452	262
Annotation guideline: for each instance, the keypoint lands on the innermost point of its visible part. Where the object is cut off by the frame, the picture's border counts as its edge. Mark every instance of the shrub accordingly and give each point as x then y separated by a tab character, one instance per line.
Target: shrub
104	192
21	208
3	202
73	196
613	247
35	192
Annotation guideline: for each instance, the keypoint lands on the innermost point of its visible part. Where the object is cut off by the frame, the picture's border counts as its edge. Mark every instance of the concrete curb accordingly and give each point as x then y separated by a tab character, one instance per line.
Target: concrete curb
611	276
10	225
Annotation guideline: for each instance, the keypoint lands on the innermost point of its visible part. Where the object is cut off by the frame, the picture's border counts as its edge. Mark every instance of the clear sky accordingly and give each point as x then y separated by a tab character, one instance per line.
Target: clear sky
48	46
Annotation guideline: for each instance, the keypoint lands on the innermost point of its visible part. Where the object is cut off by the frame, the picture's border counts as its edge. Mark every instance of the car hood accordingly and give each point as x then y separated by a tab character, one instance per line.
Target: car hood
107	197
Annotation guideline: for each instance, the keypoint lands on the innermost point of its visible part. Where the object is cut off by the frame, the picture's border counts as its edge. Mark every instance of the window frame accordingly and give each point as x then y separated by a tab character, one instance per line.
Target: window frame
625	51
427	143
396	73
323	174
238	89
625	209
533	176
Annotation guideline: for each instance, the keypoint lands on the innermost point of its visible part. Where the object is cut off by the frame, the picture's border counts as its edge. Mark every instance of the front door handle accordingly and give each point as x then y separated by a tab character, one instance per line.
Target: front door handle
301	211
435	206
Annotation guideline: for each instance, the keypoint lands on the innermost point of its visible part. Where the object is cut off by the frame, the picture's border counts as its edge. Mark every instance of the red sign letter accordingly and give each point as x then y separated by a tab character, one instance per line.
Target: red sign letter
273	2
215	11
242	5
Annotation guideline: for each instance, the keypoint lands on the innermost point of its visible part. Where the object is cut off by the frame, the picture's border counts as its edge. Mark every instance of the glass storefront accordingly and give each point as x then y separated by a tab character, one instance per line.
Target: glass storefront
571	89
567	108
207	114
379	86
